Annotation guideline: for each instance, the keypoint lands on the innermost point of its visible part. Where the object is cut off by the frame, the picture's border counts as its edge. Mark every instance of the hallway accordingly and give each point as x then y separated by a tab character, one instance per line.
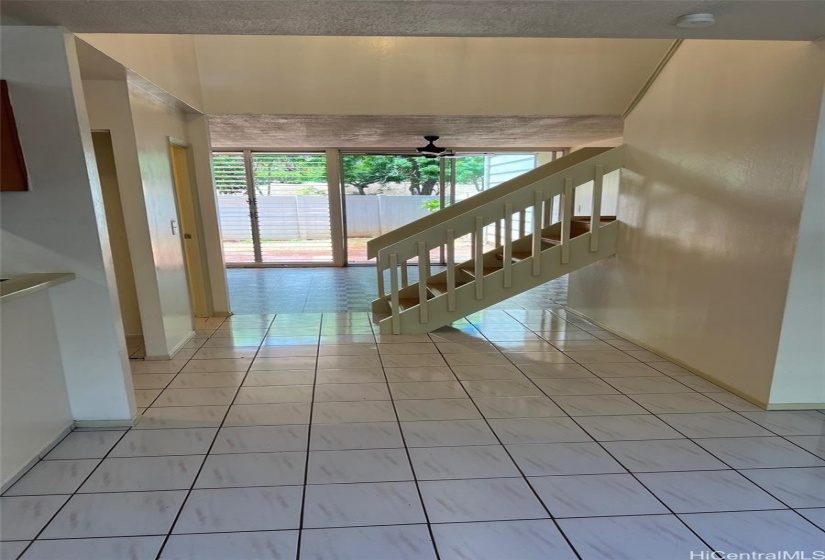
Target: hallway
524	433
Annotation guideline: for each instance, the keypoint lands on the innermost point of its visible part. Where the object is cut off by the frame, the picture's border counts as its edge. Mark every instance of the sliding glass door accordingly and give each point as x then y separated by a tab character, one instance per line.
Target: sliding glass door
274	208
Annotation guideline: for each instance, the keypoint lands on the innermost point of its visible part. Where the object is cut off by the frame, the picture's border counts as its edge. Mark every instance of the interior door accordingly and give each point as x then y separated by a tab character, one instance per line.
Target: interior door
189	231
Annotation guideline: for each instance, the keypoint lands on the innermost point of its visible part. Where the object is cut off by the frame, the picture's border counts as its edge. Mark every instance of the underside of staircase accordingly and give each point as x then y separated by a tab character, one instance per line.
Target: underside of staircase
529	249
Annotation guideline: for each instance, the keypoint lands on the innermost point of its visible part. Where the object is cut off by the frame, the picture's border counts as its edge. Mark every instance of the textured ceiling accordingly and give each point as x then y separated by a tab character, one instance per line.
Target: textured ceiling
356	131
737	19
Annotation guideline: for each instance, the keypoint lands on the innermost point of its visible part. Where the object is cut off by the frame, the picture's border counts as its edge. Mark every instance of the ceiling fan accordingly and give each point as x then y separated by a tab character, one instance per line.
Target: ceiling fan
431	151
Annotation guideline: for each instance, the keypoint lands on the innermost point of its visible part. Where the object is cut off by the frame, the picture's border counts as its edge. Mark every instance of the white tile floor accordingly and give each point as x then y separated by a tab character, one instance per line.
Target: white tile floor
522	434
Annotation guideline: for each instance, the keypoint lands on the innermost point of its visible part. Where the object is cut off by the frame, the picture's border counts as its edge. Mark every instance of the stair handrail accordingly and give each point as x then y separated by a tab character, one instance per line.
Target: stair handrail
517	194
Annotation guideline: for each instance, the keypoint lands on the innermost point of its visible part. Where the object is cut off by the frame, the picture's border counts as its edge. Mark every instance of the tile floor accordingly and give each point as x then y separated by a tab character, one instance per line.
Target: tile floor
315	290
512	435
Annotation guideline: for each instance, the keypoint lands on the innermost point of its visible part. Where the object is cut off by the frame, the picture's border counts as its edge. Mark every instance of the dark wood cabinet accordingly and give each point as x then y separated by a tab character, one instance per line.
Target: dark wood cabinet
13	175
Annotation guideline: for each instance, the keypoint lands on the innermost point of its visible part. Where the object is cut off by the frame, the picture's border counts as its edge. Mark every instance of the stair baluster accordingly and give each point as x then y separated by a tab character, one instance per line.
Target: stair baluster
538	214
596	214
479	257
423	274
395	305
381	290
566	216
508	245
450	270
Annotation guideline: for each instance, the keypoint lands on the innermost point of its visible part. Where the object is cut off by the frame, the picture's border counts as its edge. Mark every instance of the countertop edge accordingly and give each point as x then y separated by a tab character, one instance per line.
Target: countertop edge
22	286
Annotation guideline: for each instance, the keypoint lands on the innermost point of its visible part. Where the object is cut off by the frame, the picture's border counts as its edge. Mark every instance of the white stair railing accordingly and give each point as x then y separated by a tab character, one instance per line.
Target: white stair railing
537	192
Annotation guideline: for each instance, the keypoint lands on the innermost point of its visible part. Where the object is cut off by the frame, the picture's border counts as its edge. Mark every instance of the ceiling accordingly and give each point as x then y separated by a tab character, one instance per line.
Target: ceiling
737	19
370	131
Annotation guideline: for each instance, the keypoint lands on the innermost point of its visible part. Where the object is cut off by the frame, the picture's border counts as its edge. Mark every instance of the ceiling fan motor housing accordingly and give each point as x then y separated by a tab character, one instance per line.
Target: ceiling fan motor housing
431	150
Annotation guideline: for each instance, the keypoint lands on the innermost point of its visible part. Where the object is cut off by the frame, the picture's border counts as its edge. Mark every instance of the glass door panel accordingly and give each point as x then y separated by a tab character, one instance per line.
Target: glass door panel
476	174
234	209
273	207
292	203
384	192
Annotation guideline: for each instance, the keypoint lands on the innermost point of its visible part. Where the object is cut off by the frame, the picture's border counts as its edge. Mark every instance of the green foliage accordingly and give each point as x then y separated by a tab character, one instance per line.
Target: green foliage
470	171
290	169
434	205
359	171
421	174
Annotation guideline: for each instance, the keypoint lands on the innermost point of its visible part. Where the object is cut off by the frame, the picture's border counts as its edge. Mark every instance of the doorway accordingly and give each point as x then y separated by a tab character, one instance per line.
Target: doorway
121	256
190	228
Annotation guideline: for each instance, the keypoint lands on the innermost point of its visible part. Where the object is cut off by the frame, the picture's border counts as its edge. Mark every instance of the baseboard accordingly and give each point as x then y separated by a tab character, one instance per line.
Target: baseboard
86	424
795	406
669	358
39	455
178	347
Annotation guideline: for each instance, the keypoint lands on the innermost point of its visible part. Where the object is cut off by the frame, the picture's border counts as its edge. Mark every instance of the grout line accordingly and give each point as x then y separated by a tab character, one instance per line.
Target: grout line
302	511
72	495
523	475
205	458
410	462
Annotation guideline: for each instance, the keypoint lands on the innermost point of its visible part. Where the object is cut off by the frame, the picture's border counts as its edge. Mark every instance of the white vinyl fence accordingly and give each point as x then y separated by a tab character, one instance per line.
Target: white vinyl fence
287	217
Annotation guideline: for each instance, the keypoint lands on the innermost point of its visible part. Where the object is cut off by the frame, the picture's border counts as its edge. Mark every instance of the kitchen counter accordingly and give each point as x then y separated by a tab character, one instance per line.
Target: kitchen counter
21	286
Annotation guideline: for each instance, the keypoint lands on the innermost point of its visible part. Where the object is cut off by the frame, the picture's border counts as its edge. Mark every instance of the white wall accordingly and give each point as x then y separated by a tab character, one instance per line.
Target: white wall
59	225
167	61
422	75
110	109
799	376
34	401
718	154
155	122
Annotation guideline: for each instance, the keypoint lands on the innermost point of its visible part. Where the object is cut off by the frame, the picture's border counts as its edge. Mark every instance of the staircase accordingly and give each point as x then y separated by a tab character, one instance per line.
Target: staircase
529	248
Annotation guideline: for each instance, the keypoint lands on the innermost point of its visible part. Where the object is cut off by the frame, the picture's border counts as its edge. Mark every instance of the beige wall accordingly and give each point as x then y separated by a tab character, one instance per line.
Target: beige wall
718	156
167	61
422	75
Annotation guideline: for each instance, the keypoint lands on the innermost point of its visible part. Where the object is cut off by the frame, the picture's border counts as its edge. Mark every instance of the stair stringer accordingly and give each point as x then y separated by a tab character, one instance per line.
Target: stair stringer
494	291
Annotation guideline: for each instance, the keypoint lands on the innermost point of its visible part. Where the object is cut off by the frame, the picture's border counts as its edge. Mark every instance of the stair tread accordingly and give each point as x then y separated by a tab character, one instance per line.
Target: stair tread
485	271
517	256
406	303
441	288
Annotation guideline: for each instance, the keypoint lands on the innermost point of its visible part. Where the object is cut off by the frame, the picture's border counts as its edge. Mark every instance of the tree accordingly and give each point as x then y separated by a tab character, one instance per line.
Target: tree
363	172
470	170
422	173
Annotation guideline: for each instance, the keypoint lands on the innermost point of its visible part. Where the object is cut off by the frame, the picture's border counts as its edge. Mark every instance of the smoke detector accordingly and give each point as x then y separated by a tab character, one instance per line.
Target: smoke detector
693	21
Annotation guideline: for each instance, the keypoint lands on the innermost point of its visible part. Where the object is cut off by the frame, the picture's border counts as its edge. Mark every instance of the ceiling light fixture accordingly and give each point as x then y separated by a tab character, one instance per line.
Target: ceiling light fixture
692	21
